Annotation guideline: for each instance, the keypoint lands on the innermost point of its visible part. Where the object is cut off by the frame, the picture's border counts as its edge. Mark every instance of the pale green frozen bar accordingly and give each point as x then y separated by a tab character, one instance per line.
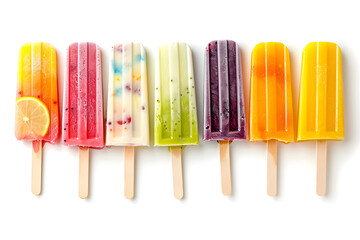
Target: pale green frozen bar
175	103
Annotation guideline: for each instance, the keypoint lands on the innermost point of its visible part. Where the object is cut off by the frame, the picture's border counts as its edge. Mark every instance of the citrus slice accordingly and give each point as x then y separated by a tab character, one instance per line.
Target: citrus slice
32	118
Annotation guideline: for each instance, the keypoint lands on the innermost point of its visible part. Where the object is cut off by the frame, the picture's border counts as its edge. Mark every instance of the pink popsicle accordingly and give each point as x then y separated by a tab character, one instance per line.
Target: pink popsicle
83	106
83	102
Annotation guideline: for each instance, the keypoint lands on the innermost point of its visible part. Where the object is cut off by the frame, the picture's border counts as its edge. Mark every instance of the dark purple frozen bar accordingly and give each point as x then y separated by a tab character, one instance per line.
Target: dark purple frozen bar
224	112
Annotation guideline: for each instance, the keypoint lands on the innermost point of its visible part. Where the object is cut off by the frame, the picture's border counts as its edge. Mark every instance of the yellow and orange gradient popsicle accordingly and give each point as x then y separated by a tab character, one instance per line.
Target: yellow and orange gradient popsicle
321	113
37	88
271	107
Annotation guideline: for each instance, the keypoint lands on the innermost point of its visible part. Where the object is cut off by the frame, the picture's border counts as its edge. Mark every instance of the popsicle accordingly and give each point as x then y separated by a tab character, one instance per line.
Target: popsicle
224	112
37	109
83	105
128	110
175	105
271	107
321	113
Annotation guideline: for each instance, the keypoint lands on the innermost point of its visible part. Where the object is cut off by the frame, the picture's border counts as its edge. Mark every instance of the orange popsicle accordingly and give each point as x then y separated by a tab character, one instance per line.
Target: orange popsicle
271	107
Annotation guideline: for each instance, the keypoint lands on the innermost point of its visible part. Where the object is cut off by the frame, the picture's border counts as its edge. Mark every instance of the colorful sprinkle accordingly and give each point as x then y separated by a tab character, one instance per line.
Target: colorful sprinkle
139	58
118	92
117	68
137	91
119	48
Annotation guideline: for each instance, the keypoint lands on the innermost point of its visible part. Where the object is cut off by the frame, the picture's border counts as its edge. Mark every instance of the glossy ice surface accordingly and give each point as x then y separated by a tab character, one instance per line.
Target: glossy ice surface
271	106
128	111
37	77
83	103
224	112
321	113
175	104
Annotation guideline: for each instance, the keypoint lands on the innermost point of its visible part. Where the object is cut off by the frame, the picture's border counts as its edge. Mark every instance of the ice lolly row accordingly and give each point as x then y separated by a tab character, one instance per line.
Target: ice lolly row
83	105
37	109
224	112
128	111
271	107
321	114
175	105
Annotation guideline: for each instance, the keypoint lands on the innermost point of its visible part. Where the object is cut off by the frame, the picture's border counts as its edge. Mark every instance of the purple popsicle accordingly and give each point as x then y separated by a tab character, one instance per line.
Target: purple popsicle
224	113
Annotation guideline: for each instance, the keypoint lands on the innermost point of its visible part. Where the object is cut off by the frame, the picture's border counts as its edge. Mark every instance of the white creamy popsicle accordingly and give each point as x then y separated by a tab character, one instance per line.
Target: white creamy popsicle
127	114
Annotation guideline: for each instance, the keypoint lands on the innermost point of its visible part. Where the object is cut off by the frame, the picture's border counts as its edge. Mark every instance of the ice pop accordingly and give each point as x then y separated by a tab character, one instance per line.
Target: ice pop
321	114
128	111
271	107
83	105
224	113
175	105
37	109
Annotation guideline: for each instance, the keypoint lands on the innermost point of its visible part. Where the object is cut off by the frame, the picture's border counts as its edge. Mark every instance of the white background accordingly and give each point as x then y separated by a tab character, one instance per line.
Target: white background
296	213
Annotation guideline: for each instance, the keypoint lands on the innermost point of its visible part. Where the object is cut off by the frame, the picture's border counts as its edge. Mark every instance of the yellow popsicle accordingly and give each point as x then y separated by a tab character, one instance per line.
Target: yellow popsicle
321	112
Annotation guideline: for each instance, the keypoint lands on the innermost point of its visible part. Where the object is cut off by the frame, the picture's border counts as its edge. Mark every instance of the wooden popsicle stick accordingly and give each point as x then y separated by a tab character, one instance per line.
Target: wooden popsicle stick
225	167
36	176
83	172
177	172
321	168
129	172
272	167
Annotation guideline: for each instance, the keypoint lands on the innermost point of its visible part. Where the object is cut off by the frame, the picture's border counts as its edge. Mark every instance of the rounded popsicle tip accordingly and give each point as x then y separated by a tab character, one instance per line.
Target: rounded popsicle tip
264	45
175	45
313	46
119	46
76	45
213	44
30	45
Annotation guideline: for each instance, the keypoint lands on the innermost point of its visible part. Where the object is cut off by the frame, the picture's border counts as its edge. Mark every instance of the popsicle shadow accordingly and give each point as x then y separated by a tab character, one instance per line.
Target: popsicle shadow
350	144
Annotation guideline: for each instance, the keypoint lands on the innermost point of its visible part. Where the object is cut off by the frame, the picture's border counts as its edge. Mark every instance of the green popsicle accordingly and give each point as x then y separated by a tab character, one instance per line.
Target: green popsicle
175	105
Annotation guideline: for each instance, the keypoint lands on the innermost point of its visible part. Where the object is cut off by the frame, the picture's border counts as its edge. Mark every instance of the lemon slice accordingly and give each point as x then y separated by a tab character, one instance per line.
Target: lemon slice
32	118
